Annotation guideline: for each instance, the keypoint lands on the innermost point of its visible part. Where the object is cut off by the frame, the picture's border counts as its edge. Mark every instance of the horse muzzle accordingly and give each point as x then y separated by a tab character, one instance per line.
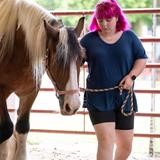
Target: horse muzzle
69	103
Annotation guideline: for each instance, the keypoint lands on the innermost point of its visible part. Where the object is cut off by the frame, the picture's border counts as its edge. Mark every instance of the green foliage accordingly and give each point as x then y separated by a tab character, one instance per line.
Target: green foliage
64	5
137	18
135	3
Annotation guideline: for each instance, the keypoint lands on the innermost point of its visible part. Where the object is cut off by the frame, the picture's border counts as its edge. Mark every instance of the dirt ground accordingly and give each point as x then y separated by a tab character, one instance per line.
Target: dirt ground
66	147
41	153
61	147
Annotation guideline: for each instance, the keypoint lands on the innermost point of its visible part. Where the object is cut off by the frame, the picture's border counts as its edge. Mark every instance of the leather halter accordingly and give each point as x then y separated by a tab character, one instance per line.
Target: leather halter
58	92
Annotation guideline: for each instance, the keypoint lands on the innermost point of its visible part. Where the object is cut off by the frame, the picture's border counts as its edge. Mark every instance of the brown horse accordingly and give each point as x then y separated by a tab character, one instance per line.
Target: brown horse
32	41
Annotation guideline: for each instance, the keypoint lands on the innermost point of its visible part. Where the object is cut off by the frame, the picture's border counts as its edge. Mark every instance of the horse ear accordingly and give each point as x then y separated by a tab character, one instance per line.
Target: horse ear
51	31
60	23
78	29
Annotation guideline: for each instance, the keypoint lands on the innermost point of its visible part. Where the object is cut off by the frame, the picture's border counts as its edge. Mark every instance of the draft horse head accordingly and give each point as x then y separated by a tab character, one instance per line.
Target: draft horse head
63	62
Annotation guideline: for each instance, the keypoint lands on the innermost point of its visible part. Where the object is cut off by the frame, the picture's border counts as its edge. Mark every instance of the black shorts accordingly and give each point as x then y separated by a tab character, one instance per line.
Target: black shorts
121	122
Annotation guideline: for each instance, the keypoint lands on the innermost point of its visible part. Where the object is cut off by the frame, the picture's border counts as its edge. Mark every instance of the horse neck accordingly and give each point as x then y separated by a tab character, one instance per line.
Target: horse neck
30	18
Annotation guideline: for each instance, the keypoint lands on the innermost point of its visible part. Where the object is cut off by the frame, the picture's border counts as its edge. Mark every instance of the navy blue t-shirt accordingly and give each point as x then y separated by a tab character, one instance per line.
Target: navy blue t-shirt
107	65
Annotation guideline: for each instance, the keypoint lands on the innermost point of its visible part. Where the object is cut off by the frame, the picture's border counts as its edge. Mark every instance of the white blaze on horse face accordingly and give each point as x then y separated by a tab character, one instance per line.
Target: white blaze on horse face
73	100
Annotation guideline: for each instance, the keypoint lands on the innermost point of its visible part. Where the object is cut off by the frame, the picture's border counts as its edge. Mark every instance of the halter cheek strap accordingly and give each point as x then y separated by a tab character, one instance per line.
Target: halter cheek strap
58	92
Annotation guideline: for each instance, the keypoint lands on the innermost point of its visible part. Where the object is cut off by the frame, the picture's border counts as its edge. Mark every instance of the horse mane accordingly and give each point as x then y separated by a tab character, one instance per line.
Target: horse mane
8	19
35	34
29	16
68	48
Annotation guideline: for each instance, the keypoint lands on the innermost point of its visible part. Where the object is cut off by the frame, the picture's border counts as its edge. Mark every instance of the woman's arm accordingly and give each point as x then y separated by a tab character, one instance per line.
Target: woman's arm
137	69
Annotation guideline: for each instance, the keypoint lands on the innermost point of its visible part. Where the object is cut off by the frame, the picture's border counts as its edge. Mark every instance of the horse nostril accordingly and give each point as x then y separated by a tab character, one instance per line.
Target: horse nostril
67	108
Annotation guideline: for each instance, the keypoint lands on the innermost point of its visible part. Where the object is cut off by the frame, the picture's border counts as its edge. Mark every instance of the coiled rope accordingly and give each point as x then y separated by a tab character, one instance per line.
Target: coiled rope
130	94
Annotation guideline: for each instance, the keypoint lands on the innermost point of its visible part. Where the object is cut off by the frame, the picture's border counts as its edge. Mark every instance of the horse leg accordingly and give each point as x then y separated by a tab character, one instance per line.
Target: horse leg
18	152
6	125
3	151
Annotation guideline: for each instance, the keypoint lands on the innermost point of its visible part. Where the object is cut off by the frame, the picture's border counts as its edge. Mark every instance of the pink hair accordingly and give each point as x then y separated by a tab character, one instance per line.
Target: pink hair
108	9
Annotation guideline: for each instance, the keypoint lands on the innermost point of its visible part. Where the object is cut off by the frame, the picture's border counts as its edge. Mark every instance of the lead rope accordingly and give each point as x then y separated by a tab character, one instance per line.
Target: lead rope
130	94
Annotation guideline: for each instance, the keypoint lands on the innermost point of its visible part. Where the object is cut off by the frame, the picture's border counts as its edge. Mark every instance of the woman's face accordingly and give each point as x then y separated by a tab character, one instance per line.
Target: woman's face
107	25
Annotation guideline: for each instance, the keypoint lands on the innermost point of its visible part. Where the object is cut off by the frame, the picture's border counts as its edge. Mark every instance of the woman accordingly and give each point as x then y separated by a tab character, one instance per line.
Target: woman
115	57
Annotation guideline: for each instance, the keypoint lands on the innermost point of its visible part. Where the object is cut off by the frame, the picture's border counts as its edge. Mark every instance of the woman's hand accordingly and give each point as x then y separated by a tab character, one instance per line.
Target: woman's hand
126	82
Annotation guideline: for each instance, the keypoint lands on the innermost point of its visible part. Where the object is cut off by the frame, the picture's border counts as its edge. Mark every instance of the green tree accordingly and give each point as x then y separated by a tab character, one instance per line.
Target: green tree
48	4
136	20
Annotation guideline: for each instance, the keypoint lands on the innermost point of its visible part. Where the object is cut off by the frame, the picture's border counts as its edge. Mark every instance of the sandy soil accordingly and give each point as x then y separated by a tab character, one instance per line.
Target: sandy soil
61	147
66	147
